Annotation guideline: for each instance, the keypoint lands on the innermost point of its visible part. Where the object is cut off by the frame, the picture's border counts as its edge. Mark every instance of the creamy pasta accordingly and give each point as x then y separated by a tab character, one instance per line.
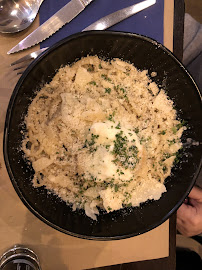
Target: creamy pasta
101	134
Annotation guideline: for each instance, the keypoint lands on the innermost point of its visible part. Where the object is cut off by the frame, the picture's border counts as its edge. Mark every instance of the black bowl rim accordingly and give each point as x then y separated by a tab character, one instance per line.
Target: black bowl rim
8	117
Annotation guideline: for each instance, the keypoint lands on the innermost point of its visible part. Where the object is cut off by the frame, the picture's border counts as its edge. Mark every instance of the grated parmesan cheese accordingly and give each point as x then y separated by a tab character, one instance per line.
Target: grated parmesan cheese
102	135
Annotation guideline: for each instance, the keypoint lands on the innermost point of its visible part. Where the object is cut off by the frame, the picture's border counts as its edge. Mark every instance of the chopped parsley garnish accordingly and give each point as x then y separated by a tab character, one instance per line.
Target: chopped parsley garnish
183	123
100	66
136	130
105	77
127	196
108	90
178	126
165	169
118	126
92	82
174	129
125	96
111	117
119	172
109	208
125	155
143	140
107	146
163	132
116	187
120	91
93	137
177	159
90	69
91	142
171	142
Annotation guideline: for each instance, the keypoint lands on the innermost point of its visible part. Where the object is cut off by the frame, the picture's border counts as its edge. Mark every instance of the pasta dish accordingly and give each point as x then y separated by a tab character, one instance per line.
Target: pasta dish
102	135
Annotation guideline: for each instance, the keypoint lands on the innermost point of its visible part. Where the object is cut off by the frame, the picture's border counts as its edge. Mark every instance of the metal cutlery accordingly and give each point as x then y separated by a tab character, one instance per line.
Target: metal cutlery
17	15
119	15
52	24
101	24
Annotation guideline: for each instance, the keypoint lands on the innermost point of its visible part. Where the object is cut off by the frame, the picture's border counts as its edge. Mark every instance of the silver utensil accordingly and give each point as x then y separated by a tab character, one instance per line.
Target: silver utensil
119	15
101	24
53	24
60	18
26	60
16	16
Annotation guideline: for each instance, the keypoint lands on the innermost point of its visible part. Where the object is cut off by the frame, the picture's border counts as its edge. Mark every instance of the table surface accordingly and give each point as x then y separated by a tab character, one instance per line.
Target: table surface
167	263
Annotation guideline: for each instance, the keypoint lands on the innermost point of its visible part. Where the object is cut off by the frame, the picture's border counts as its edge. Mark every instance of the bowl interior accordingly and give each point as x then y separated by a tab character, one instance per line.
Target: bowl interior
171	75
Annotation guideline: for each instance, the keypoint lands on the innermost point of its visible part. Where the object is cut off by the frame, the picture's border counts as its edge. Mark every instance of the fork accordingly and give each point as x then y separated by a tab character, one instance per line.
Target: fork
23	62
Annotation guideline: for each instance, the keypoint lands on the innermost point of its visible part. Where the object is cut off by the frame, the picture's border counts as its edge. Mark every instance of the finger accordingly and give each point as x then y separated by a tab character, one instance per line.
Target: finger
184	231
181	227
184	228
180	222
185	211
196	193
194	203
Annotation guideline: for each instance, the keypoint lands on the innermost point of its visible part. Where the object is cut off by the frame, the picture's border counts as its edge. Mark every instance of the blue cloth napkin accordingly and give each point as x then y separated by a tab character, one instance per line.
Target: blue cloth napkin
148	22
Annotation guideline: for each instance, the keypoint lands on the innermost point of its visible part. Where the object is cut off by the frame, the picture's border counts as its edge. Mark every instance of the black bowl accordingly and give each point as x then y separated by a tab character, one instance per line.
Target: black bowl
180	87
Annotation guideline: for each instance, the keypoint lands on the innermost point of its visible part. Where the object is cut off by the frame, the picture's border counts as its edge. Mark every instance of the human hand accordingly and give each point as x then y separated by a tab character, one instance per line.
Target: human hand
189	215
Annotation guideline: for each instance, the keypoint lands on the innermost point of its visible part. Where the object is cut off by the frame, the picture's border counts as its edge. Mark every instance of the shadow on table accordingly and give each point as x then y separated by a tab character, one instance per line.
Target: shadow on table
57	250
43	241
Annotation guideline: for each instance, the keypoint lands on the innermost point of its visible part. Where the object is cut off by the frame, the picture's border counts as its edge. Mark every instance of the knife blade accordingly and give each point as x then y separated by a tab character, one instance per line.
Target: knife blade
53	24
119	16
101	24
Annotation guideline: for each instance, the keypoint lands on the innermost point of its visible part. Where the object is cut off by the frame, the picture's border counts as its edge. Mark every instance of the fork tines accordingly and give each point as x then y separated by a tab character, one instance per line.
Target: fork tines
26	60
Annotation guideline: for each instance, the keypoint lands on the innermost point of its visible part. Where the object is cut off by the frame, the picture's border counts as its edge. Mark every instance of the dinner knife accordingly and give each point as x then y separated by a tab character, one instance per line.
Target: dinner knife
101	24
52	25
